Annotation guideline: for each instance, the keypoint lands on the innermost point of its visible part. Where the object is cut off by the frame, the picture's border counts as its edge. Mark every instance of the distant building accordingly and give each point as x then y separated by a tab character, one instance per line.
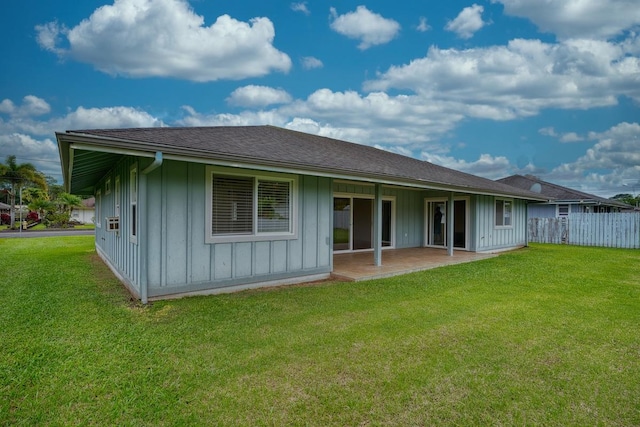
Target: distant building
85	214
562	200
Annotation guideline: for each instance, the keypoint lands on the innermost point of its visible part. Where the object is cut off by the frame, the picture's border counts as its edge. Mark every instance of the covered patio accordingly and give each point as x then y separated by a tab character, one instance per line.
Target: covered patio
356	266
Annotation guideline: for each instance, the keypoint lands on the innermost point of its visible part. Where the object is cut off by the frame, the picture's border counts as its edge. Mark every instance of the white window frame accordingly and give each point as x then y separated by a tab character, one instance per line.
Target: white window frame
107	186
352	196
504	216
116	196
563	215
254	235
98	209
134	212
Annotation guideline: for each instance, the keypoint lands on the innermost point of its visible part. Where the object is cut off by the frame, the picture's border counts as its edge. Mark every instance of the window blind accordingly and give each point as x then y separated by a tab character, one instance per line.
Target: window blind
274	202
232	205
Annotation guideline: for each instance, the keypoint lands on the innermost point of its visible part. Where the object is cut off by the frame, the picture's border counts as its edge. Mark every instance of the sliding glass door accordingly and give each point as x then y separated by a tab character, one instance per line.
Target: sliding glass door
353	223
436	223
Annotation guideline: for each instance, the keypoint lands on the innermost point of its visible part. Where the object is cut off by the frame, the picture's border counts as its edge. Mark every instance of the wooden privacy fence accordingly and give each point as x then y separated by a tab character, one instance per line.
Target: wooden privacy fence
612	230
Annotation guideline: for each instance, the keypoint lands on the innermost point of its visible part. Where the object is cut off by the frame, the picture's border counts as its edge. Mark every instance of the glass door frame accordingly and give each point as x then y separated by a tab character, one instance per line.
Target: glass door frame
430	220
392	222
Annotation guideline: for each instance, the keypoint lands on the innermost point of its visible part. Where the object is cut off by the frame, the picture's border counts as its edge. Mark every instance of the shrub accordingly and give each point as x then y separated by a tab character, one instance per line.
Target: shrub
32	217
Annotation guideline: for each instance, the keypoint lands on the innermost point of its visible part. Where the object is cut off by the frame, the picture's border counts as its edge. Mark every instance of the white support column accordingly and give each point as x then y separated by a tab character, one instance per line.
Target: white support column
377	226
450	220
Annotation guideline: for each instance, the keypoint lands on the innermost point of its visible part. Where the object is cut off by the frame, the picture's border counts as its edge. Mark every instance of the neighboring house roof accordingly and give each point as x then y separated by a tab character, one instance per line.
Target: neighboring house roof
94	151
89	203
559	193
4	206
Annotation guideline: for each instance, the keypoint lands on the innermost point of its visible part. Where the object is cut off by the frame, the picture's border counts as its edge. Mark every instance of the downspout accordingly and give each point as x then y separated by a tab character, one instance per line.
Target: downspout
450	228
143	240
157	162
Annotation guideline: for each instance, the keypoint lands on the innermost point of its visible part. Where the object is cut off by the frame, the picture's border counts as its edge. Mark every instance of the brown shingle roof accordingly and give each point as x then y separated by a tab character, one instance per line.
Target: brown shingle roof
557	192
274	146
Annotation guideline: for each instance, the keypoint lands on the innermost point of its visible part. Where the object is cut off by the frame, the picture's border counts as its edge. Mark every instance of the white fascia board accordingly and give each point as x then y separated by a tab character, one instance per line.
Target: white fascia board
112	150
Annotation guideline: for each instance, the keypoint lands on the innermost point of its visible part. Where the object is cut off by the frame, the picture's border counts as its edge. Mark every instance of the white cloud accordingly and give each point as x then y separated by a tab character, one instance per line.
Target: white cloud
20	133
486	166
107	117
300	7
258	96
81	118
368	27
309	62
423	26
571	137
548	131
42	153
165	38
616	151
245	118
564	137
31	106
468	21
519	79
48	36
402	119
591	19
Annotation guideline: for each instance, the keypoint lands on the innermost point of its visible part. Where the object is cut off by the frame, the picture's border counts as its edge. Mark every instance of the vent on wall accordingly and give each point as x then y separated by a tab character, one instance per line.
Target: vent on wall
536	188
113	223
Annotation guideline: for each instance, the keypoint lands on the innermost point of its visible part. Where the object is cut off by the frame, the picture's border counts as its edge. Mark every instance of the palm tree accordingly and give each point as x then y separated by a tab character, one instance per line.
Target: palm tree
19	175
67	202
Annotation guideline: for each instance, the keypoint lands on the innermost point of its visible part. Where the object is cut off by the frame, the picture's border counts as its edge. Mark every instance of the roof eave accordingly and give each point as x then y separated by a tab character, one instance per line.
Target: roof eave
73	140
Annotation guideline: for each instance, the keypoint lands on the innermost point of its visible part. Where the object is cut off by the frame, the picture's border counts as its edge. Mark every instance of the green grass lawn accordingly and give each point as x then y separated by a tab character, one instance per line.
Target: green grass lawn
546	336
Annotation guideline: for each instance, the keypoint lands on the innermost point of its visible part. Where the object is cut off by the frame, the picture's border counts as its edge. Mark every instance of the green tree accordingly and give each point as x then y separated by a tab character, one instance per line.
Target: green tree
54	188
16	176
66	202
42	206
32	194
627	198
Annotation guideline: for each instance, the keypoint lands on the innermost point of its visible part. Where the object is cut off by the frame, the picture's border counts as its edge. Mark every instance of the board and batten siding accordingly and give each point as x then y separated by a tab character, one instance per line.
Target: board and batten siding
116	248
487	236
409	217
179	260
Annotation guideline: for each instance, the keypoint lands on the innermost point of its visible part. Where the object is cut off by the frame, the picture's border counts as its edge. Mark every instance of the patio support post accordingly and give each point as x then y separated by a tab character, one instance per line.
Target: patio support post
450	225
526	223
377	227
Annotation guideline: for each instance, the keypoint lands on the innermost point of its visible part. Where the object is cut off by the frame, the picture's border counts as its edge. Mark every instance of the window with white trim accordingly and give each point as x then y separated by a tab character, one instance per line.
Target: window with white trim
563	210
250	207
503	211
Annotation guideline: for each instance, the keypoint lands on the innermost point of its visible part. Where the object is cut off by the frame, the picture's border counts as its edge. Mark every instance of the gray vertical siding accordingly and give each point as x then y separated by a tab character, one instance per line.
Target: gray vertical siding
487	236
409	217
178	258
119	252
181	261
538	210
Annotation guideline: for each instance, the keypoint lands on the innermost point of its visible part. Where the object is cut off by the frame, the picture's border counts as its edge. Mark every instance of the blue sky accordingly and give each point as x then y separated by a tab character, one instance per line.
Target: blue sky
493	88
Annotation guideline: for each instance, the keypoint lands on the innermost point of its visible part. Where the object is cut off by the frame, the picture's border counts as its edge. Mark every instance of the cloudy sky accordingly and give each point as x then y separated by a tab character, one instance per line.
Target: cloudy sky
493	88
